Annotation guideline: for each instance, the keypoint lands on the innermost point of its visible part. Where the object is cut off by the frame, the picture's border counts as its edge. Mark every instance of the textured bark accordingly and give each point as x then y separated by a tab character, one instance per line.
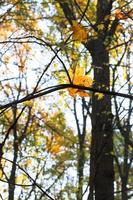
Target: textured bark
102	172
124	195
101	164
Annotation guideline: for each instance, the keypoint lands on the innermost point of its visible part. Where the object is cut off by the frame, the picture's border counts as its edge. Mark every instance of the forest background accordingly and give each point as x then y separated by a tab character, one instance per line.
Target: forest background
66	88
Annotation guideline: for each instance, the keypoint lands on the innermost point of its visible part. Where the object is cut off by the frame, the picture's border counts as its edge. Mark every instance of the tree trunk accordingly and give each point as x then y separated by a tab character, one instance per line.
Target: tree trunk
101	169
81	150
12	176
13	171
124	189
124	178
81	160
101	163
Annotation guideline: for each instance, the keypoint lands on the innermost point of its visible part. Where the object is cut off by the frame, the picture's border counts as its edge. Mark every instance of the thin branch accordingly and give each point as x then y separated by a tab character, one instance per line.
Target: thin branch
41	42
34	182
61	87
76	118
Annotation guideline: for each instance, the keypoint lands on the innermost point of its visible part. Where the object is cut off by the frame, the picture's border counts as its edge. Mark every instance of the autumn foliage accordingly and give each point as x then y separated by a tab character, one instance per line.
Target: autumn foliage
58	141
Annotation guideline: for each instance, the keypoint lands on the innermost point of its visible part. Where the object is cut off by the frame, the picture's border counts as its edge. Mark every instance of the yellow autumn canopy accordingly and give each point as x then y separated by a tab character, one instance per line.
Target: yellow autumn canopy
54	144
78	77
79	32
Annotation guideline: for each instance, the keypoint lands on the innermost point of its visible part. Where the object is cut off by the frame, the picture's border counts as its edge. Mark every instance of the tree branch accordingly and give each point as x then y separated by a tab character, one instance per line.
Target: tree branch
60	87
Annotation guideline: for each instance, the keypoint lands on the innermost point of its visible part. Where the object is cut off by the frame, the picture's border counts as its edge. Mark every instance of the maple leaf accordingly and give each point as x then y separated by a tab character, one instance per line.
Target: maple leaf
78	77
79	32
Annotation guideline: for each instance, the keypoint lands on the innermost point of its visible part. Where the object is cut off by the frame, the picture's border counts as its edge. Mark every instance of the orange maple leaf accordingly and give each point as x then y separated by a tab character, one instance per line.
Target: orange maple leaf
78	77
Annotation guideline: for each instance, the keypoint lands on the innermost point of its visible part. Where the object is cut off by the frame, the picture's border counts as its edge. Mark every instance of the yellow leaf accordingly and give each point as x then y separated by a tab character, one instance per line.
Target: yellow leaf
87	81
100	27
28	103
81	2
54	144
78	77
1	173
124	74
28	162
74	56
99	95
79	32
55	149
21	178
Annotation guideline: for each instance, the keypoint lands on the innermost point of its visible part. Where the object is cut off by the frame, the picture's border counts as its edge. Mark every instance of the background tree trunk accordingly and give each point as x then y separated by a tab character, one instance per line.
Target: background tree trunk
15	156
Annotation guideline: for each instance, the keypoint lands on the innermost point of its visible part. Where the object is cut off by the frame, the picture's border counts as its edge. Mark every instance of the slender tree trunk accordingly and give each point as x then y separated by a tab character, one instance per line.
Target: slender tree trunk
13	171
12	176
124	178
80	174
81	150
124	189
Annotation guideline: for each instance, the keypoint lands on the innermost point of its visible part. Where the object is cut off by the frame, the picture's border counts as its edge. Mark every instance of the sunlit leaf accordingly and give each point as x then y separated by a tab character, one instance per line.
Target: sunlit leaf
78	77
99	95
79	32
1	173
21	179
